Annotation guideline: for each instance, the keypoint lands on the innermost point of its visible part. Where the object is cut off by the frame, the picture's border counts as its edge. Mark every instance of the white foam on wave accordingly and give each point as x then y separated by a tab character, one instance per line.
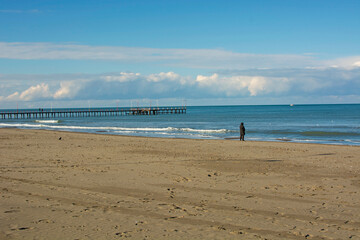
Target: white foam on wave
47	121
352	141
20	125
125	132
113	128
203	130
123	129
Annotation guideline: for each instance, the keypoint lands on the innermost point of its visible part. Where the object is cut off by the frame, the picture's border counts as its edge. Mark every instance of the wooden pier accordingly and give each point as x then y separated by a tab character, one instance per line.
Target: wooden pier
47	113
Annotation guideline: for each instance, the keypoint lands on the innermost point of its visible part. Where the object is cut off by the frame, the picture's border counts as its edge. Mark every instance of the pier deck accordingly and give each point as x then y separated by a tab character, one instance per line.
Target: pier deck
47	113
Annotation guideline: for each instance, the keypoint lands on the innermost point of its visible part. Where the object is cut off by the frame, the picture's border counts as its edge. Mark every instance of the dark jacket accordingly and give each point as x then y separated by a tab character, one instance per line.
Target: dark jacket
242	130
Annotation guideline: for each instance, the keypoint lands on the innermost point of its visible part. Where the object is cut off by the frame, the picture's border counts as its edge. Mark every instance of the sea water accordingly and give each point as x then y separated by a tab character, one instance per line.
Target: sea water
326	124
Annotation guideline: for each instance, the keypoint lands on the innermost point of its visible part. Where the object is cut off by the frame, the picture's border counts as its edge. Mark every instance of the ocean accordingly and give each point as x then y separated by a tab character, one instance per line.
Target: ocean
324	124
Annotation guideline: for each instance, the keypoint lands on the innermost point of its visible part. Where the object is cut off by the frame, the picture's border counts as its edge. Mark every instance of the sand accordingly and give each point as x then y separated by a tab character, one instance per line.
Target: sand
93	186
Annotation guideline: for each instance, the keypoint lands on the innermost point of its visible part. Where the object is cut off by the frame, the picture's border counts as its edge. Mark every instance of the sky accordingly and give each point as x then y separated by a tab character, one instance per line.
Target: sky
170	52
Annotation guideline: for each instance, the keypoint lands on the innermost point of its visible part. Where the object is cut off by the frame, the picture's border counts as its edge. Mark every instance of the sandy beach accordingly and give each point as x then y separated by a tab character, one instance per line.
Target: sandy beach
93	186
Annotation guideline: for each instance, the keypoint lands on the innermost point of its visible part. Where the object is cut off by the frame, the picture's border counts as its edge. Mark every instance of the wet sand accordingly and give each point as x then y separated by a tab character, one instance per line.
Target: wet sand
93	186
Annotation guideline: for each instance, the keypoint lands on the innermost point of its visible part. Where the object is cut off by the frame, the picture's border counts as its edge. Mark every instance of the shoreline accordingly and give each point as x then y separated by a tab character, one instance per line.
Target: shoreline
106	133
89	185
202	139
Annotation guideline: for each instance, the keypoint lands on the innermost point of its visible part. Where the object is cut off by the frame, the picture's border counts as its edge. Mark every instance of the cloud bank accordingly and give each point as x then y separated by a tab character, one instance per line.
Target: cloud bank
38	92
236	85
249	83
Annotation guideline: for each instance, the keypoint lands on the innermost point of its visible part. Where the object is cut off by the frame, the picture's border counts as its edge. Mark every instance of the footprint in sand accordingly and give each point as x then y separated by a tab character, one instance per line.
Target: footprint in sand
171	191
183	179
12	211
125	234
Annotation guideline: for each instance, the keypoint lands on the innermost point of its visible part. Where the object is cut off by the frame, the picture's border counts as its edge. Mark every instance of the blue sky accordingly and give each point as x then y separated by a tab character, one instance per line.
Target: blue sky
71	53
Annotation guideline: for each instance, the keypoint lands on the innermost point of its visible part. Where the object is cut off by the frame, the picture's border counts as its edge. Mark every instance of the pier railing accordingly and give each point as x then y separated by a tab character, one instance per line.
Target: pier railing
47	113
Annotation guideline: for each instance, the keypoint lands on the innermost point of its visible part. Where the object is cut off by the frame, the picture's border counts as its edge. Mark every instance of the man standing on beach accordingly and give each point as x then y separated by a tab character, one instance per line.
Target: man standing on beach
242	132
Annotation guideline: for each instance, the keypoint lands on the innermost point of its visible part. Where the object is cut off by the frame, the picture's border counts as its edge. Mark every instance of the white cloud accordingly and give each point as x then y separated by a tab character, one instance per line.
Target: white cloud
13	97
42	91
169	76
356	64
67	90
346	63
236	85
122	77
34	92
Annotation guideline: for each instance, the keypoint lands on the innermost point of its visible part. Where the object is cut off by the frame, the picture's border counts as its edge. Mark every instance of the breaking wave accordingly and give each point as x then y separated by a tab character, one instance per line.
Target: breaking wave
110	128
47	121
